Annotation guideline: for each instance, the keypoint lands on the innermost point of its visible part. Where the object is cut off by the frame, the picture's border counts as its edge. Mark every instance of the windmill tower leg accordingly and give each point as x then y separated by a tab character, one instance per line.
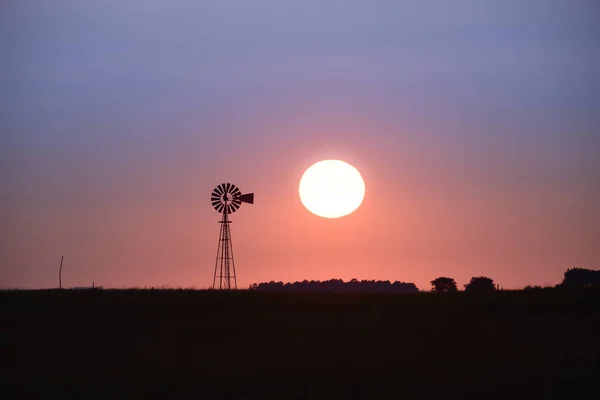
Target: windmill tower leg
224	265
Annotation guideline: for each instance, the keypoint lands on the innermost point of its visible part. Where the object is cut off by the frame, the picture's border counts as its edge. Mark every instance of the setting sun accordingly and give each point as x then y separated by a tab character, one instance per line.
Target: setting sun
331	189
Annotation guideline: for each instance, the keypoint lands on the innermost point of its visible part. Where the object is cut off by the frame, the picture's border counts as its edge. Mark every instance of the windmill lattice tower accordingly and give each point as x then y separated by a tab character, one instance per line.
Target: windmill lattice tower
226	199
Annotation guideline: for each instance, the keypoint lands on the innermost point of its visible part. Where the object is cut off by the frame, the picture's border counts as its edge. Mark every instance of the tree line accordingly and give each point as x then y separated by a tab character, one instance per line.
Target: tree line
573	278
338	286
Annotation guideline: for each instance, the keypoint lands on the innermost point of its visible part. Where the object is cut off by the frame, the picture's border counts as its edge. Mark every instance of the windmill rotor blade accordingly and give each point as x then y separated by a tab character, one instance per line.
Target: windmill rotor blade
227	198
247	198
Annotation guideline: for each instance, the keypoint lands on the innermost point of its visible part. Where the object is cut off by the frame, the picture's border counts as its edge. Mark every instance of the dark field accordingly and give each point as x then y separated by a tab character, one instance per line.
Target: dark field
203	344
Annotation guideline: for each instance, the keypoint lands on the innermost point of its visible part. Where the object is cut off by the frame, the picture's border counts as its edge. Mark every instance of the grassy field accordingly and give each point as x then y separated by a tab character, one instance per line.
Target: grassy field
205	344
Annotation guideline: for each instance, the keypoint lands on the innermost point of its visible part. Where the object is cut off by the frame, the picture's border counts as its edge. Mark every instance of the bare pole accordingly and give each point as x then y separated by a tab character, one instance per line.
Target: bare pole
60	272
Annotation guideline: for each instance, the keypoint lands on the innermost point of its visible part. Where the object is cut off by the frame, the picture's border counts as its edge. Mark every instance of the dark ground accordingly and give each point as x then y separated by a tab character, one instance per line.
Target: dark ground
203	344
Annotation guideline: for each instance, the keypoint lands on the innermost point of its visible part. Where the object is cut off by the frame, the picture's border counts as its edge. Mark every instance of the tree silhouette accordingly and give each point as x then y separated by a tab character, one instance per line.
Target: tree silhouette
337	286
529	287
581	277
480	284
443	285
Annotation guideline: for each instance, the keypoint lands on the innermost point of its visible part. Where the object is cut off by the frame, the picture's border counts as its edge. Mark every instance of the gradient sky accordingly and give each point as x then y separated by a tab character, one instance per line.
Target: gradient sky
475	124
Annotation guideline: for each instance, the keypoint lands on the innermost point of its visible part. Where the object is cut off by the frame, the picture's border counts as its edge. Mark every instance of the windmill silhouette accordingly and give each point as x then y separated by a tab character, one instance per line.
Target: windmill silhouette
226	199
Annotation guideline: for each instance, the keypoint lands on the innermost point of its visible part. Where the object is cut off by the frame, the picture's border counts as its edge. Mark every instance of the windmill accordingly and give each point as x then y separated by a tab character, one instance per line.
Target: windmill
226	199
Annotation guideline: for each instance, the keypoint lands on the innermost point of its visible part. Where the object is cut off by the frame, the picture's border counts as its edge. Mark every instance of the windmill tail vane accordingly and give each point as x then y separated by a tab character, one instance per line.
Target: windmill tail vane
226	199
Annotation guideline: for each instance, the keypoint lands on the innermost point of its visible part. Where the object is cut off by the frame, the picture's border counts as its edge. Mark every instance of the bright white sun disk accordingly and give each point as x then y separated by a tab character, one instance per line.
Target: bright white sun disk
331	189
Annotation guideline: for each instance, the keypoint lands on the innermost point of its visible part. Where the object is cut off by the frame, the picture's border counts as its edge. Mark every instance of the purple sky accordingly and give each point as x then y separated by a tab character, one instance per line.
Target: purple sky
476	125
